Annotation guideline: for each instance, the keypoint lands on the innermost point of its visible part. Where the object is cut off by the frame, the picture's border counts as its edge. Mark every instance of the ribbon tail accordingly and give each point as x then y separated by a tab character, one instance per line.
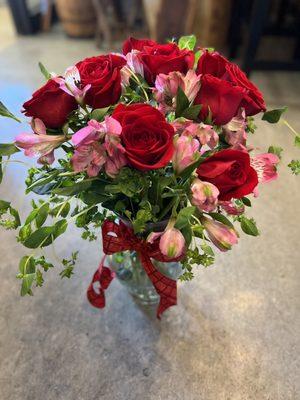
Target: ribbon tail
165	287
103	276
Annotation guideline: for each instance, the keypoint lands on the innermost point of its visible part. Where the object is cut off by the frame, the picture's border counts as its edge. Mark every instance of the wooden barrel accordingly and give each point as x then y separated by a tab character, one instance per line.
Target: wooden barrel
77	16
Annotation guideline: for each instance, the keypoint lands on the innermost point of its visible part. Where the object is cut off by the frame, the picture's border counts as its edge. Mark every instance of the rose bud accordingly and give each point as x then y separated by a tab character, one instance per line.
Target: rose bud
186	152
222	236
204	195
172	243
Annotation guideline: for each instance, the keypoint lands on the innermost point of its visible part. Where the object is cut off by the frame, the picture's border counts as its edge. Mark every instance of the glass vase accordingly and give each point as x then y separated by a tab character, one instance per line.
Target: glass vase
130	272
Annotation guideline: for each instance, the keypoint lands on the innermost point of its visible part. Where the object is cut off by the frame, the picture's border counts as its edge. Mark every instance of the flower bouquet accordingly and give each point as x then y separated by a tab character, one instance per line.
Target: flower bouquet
151	146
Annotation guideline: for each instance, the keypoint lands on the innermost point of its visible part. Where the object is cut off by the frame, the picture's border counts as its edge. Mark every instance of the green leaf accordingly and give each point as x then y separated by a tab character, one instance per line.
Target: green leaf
7	149
192	112
27	282
99	113
249	226
246	201
275	150
187	42
207	249
42	214
294	165
1	170
187	172
42	181
4	112
183	217
42	237
297	141
27	265
221	218
182	103
76	188
188	234
273	116
44	71
39	278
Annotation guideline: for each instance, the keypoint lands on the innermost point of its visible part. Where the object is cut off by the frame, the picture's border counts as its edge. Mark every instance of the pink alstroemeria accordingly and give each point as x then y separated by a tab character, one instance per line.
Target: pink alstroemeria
71	84
204	195
133	66
98	145
235	133
204	133
166	88
265	166
186	152
172	242
222	236
231	208
39	144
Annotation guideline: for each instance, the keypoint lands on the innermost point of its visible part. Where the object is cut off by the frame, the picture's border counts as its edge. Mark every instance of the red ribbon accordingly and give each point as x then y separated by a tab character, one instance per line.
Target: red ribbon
118	238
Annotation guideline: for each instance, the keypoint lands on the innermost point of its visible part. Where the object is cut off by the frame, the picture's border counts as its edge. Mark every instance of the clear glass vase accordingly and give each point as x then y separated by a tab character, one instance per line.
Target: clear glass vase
130	272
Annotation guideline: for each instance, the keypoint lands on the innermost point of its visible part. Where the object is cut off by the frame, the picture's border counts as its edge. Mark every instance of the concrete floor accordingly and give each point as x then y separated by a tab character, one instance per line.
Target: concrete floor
234	334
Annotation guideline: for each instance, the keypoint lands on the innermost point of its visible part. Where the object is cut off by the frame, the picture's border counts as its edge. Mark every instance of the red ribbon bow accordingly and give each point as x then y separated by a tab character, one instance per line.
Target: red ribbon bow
118	238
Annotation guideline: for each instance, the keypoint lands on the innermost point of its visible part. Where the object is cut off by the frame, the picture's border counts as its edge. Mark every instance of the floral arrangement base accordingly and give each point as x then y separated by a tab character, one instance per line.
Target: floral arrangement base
131	274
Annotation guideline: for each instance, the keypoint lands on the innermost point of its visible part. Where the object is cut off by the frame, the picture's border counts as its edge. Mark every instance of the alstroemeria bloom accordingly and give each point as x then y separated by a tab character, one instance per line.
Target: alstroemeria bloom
204	133
265	166
231	208
222	236
172	243
235	133
166	87
39	144
133	66
72	85
204	195
186	152
98	145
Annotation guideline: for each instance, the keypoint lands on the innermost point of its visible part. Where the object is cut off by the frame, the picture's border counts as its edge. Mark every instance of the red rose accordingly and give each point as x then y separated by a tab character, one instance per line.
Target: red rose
230	171
218	66
160	58
137	44
51	104
146	136
103	74
219	97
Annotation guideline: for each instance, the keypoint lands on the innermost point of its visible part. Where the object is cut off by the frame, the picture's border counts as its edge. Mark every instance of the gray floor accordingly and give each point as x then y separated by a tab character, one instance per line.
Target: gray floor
234	334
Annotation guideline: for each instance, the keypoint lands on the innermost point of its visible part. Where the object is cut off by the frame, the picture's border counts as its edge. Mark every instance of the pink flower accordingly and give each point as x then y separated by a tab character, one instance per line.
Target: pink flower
133	66
185	153
172	243
265	166
98	145
222	236
231	208
204	133
39	144
235	133
204	195
72	85
166	87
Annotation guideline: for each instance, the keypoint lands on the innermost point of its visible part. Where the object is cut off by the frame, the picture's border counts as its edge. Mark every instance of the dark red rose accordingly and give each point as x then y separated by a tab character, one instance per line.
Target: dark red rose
230	171
51	104
253	101
220	97
160	58
103	74
137	44
218	66
146	136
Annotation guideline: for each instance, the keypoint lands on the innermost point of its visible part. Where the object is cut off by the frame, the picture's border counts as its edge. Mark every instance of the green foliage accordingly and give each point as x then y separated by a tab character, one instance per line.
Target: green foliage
246	201
73	188
192	112
273	116
294	165
69	264
9	216
221	218
184	216
7	149
44	71
187	42
248	226
275	150
297	141
99	113
4	112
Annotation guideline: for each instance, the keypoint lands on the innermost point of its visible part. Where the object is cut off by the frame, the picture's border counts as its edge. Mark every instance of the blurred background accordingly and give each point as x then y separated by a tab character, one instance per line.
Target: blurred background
235	332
